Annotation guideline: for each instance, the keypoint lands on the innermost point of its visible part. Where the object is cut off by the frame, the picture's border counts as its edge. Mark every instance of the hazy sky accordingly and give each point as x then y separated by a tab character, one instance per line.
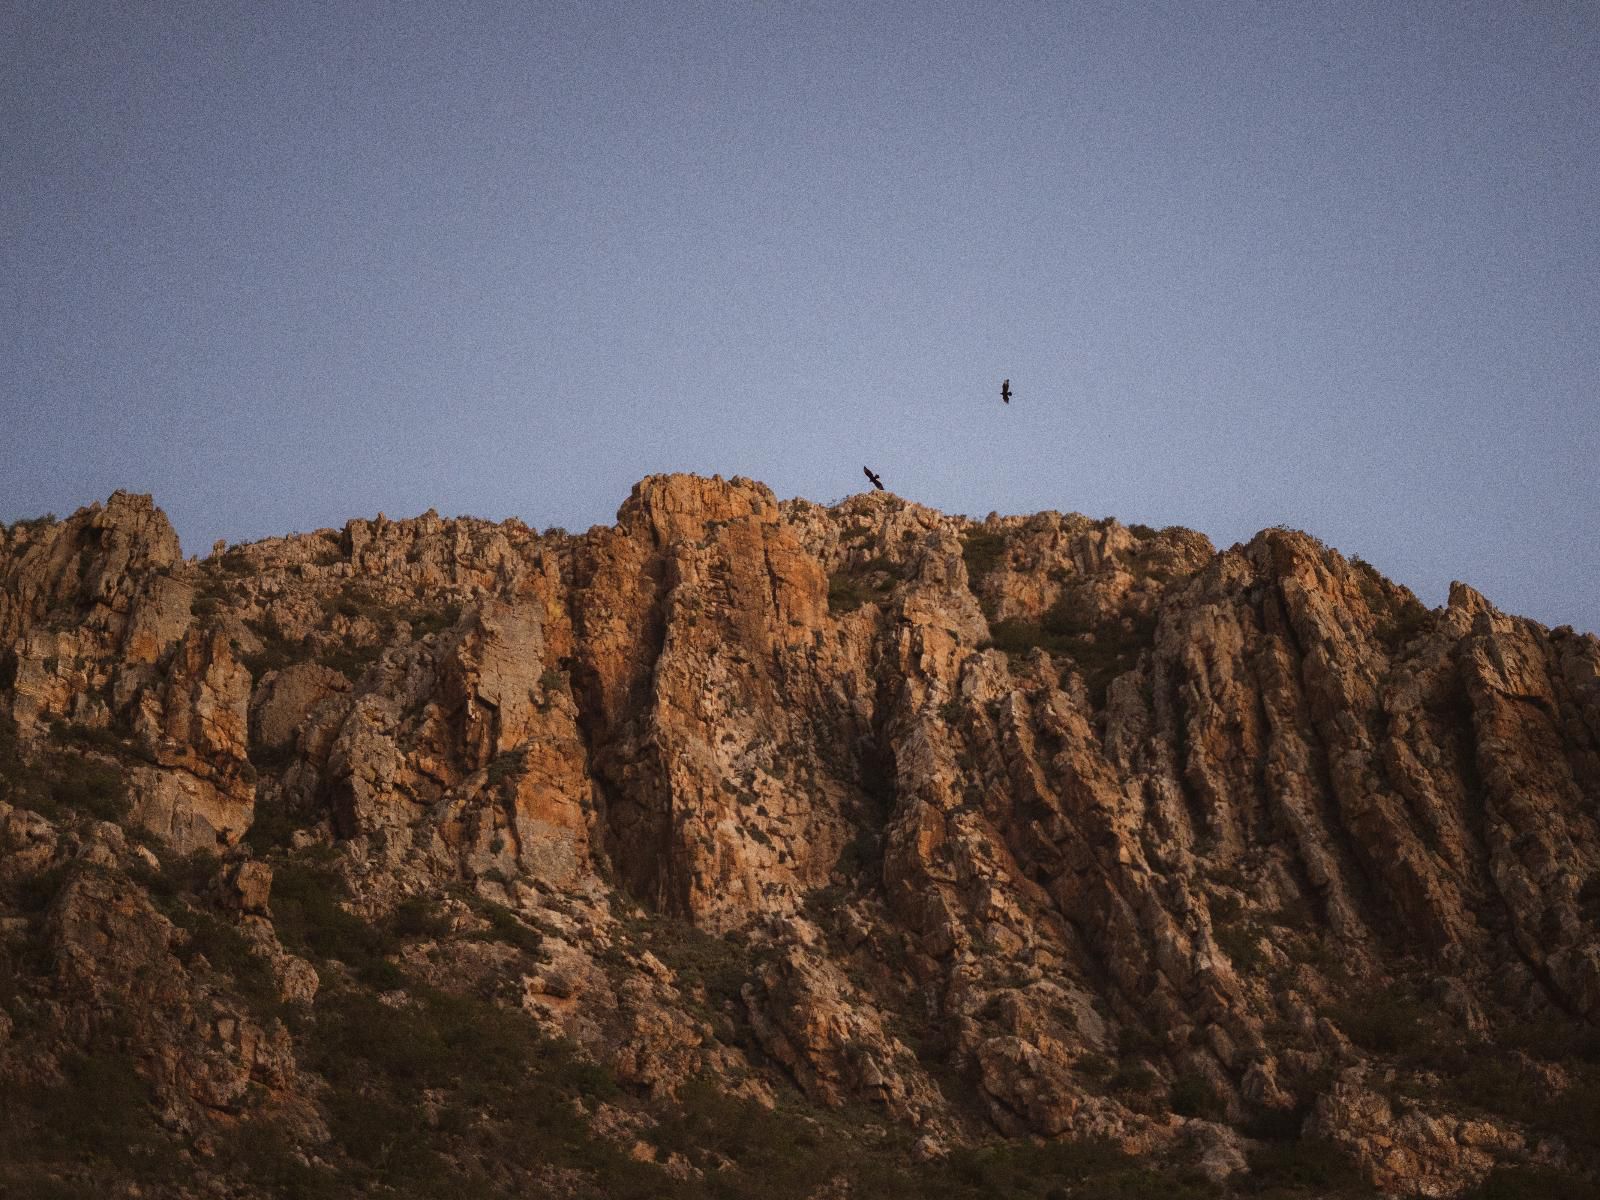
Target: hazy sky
1332	265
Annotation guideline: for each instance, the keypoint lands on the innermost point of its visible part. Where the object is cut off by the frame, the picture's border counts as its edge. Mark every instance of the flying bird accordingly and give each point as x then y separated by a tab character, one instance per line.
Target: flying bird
876	482
1005	390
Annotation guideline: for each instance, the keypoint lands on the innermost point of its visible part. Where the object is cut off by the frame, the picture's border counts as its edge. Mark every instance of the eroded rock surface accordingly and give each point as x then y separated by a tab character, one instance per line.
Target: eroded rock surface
1036	827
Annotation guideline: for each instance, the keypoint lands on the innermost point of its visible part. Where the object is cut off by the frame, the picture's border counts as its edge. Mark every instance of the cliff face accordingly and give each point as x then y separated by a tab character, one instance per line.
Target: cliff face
1037	827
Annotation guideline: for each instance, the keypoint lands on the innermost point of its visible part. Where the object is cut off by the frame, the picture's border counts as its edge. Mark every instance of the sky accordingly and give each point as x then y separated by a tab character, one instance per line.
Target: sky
1331	265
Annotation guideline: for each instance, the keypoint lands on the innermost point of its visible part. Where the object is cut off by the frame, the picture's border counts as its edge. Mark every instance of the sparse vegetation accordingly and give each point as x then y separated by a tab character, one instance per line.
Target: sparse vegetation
1101	649
349	660
310	921
97	1118
509	765
1508	1182
1391	1021
505	926
860	583
1190	1096
55	782
439	1085
34	524
982	552
276	652
846	593
228	951
1401	617
1303	1167
417	918
1242	944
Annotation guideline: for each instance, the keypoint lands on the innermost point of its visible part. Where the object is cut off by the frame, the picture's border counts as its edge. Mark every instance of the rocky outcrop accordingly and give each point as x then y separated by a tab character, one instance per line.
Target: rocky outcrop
1035	827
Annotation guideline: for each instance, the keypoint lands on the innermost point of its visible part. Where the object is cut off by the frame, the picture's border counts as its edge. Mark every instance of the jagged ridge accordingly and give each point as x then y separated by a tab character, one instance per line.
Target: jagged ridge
1037	826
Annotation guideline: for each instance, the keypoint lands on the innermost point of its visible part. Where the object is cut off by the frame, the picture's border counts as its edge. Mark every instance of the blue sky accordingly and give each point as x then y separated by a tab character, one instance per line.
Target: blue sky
1333	266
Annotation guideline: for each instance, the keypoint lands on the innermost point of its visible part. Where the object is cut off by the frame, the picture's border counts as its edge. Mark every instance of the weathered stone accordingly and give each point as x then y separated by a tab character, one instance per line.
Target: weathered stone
1088	822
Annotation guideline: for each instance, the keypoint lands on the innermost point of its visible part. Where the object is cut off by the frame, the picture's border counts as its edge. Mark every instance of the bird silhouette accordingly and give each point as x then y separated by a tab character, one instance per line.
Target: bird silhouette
1005	390
876	482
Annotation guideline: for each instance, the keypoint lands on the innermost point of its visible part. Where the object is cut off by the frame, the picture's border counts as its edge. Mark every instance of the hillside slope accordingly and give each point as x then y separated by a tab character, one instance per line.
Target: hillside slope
754	847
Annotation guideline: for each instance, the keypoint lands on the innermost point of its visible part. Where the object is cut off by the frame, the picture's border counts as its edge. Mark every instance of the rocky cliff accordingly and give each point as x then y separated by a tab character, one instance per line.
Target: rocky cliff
747	846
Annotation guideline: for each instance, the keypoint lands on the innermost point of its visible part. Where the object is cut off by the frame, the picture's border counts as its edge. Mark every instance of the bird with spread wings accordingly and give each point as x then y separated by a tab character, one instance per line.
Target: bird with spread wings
1005	390
876	482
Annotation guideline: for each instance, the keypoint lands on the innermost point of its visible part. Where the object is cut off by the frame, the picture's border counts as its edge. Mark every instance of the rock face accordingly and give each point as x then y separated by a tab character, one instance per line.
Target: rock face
1037	827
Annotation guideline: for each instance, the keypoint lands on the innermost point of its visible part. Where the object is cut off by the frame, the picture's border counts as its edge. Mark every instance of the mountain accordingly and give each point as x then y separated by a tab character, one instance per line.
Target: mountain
759	848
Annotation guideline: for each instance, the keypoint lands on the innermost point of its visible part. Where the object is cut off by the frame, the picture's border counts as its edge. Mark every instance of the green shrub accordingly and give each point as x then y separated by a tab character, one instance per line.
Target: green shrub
99	1115
1094	1066
264	1153
418	918
1018	638
351	661
276	653
272	827
1401	617
1389	1021
1089	1169
491	1073
1242	945
58	780
426	624
91	737
505	926
846	593
1101	650
860	857
718	964
35	524
35	893
179	875
1533	1183
228	951
1133	1078
509	765
1191	1096
93	787
309	920
983	553
1293	1167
